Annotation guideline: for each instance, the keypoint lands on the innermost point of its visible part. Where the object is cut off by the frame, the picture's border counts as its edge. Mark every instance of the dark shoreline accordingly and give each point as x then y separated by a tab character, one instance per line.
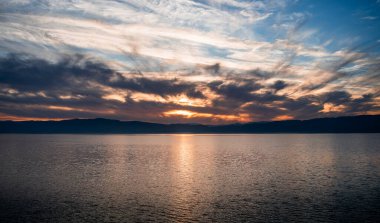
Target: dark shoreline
349	124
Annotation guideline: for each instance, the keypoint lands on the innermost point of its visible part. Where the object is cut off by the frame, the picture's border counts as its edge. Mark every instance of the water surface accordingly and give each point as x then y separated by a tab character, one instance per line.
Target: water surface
190	178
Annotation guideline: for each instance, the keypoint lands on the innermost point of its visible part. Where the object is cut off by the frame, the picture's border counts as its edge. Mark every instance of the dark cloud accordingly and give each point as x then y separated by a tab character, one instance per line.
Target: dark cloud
32	87
336	97
352	105
261	74
261	111
162	87
81	76
233	95
267	104
305	107
71	74
279	85
213	69
239	90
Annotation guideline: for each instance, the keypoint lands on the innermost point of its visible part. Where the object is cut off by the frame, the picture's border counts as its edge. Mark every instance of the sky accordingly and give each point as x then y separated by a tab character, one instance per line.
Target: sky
183	61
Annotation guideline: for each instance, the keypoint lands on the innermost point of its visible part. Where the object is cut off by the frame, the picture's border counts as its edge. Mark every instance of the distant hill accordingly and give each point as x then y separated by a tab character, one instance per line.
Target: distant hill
351	124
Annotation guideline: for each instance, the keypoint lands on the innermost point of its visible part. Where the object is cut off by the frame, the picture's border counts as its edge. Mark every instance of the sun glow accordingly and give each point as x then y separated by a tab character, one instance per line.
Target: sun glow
185	113
184	100
215	117
282	118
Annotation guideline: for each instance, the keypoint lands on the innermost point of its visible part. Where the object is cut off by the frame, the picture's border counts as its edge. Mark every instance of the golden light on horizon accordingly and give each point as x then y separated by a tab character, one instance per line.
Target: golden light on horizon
4	117
282	118
185	113
217	117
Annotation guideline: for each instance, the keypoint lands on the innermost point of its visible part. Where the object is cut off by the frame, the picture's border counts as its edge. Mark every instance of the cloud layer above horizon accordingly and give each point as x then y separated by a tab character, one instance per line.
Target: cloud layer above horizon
211	62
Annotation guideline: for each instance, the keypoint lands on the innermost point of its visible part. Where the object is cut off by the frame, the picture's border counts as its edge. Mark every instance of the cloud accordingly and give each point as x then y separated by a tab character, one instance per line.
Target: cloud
279	85
368	18
138	59
82	86
78	73
192	33
239	89
161	87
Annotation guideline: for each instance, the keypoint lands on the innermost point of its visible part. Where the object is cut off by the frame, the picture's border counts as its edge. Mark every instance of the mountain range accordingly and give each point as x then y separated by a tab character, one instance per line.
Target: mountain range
348	124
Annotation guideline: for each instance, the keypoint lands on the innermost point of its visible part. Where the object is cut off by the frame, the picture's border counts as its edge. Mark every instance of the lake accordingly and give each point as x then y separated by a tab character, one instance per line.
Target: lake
190	178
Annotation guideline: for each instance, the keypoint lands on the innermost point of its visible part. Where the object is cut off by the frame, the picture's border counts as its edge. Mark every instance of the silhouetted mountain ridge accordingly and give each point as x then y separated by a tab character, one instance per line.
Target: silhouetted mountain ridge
348	124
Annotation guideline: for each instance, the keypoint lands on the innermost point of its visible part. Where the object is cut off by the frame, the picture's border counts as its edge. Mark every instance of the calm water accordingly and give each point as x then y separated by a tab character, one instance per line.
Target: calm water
190	178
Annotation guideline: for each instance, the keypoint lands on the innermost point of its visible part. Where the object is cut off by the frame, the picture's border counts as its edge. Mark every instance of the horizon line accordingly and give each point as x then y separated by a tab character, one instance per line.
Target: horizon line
188	123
